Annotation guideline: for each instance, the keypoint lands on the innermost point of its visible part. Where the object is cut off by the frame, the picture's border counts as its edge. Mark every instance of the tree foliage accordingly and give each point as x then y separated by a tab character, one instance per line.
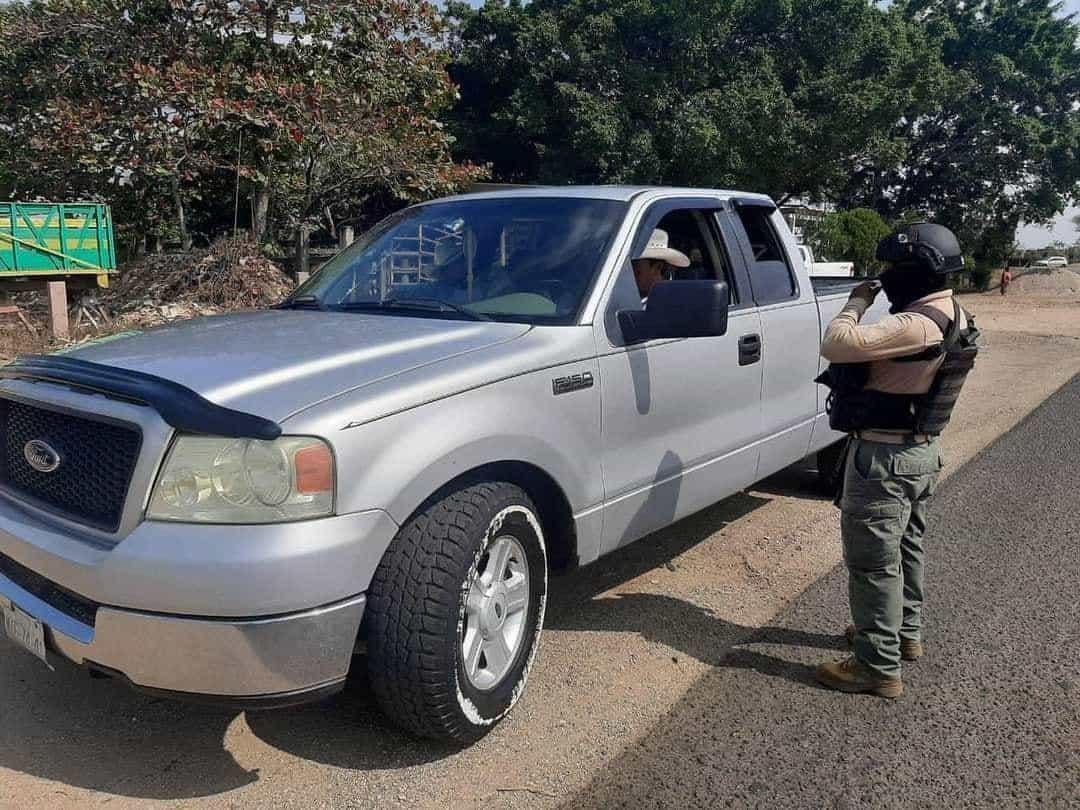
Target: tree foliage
851	235
778	96
321	105
964	112
967	113
1003	145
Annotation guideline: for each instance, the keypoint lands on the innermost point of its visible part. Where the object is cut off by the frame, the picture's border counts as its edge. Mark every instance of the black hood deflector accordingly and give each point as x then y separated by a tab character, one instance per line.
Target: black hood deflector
184	409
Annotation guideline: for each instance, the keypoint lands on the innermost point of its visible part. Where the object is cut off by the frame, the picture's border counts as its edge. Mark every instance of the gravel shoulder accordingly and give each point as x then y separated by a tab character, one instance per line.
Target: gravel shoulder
629	639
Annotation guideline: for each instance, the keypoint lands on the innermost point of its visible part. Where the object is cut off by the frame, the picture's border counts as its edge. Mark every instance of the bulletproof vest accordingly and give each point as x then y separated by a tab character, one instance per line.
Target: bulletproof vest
851	406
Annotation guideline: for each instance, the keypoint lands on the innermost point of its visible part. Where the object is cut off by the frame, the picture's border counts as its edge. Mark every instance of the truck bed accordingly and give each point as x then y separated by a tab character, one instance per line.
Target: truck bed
834	285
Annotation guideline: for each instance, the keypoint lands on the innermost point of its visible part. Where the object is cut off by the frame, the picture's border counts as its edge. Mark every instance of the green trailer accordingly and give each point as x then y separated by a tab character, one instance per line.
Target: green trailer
56	240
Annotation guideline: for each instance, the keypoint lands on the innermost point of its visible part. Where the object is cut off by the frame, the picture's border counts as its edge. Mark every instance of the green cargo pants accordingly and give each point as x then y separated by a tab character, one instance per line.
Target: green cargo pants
887	488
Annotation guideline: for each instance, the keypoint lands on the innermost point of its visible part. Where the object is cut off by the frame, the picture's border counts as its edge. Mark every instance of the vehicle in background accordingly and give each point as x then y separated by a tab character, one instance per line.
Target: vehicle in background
1053	261
393	459
818	269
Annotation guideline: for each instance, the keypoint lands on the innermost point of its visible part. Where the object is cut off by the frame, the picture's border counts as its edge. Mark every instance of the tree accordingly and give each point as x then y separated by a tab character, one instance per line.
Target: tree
327	103
82	123
781	97
335	103
851	235
1004	146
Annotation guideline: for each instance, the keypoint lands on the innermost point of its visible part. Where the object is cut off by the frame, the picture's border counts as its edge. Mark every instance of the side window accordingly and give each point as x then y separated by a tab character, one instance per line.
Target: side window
693	234
770	273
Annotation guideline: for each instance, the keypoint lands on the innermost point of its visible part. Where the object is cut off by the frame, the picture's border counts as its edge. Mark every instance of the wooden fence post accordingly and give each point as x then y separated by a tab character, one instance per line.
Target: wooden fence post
58	310
303	261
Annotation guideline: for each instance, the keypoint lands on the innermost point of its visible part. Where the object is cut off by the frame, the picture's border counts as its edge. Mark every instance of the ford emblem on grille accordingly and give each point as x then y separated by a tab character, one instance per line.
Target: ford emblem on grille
41	456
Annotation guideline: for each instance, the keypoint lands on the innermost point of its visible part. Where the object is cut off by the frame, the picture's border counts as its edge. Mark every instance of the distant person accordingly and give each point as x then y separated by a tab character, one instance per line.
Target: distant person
655	261
1006	280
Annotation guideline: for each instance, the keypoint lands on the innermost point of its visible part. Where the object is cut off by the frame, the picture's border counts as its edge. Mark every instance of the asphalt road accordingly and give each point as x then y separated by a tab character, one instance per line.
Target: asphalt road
991	718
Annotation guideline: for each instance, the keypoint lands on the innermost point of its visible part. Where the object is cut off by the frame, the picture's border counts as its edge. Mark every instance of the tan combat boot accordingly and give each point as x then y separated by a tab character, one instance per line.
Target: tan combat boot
909	650
851	676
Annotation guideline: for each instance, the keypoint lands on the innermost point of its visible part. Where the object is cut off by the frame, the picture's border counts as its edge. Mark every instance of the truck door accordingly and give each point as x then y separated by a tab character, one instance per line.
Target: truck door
789	324
680	418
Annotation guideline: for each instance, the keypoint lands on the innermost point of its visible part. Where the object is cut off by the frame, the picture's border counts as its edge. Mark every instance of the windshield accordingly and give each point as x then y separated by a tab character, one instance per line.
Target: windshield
527	259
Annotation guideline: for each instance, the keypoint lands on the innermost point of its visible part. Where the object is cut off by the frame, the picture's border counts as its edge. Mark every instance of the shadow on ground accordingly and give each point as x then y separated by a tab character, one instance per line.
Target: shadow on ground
799	481
96	734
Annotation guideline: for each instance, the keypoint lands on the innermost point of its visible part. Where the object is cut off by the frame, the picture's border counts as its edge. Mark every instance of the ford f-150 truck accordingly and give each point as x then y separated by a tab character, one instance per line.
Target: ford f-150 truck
382	470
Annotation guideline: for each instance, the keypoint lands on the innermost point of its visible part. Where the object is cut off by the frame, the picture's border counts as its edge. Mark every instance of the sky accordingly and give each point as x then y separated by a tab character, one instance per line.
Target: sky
1063	230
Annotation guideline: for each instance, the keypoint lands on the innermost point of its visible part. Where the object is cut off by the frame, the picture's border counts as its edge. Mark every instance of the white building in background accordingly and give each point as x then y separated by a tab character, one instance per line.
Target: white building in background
800	214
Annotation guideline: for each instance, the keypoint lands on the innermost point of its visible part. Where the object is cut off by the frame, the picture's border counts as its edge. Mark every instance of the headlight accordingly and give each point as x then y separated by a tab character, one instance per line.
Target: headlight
214	480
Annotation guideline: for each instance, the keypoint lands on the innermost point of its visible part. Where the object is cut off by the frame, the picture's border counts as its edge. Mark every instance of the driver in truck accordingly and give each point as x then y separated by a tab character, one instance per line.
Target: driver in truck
657	259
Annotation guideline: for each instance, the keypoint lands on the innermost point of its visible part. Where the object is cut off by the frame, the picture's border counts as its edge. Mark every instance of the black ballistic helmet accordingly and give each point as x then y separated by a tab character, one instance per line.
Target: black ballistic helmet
933	247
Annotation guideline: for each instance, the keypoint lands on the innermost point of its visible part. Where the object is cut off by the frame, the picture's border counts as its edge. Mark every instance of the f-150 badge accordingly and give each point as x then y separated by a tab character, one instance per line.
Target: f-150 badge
574	382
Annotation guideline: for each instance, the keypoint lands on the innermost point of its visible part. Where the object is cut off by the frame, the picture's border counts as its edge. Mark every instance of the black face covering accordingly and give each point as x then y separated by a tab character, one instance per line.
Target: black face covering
903	284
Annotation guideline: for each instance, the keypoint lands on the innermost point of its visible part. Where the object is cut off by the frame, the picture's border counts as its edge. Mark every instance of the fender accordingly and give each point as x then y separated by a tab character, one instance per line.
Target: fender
397	462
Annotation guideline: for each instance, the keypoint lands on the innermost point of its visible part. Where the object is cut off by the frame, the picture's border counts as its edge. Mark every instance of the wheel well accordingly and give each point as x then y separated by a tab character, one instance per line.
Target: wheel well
556	516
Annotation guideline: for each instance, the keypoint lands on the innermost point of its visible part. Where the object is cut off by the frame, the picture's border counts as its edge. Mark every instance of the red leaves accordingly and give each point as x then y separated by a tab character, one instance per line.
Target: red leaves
335	106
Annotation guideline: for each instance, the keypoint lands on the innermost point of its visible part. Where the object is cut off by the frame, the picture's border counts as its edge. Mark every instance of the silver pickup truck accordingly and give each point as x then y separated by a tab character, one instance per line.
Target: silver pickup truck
390	462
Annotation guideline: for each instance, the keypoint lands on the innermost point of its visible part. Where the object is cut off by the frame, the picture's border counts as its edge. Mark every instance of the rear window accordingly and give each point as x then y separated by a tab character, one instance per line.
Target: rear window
771	276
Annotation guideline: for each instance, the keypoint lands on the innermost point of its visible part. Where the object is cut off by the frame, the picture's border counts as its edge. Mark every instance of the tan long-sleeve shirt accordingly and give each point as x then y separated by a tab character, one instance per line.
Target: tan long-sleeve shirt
900	335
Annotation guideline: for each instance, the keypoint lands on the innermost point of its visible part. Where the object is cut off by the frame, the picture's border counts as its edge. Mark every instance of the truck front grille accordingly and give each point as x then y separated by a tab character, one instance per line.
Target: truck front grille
96	462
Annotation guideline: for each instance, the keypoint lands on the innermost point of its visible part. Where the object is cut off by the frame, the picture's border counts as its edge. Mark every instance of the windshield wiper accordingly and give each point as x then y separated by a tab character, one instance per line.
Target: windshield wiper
301	302
419	304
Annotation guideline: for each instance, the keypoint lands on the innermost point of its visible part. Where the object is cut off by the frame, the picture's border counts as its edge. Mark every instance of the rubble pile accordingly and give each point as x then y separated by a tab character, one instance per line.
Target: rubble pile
229	275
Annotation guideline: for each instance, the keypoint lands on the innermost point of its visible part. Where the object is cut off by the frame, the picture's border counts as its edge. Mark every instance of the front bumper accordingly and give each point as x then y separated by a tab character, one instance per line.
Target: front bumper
266	614
278	659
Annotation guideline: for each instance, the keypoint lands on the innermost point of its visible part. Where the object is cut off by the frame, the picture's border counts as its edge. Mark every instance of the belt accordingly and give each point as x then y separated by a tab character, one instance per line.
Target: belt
885	437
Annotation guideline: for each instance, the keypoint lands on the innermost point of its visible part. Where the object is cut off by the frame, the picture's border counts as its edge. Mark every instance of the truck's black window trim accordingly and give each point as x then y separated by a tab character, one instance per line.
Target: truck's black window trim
753	202
178	405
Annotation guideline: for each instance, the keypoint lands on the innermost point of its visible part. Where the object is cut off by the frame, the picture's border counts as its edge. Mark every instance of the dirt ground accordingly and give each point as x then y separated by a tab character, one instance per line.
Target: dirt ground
626	639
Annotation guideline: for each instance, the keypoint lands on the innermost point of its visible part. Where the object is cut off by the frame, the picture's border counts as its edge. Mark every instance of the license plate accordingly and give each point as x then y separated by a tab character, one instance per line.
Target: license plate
24	629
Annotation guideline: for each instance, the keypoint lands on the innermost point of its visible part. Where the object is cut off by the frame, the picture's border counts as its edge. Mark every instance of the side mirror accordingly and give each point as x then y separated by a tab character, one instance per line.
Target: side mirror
679	309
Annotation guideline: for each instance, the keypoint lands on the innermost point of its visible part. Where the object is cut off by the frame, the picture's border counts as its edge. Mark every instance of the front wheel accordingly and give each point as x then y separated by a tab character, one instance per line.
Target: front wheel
455	611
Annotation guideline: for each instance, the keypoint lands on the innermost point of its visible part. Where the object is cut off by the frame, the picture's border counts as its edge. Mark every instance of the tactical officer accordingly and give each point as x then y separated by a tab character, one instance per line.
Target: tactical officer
894	384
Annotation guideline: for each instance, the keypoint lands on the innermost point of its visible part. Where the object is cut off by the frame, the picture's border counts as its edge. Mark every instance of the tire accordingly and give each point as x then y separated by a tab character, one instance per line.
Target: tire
829	473
433	592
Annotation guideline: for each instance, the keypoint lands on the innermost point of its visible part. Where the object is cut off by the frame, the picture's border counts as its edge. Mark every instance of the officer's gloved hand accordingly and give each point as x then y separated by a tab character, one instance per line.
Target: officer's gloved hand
867	292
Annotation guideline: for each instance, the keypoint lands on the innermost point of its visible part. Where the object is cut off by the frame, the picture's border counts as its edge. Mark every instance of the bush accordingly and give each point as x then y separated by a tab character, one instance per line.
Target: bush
980	278
851	236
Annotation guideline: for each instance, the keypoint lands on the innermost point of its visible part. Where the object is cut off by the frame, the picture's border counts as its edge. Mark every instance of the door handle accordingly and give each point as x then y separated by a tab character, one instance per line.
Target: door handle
749	349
